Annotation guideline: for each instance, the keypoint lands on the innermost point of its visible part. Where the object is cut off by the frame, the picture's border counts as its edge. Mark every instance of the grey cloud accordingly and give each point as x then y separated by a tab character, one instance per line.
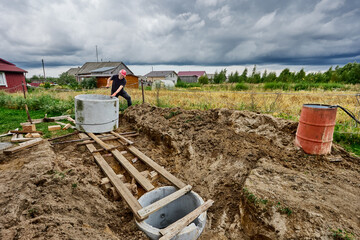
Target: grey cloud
181	32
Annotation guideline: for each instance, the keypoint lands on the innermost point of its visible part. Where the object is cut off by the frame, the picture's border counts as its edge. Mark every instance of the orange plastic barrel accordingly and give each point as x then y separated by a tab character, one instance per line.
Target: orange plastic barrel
316	128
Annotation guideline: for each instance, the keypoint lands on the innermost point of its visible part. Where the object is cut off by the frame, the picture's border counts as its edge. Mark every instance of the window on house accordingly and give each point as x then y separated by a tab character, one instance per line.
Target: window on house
3	79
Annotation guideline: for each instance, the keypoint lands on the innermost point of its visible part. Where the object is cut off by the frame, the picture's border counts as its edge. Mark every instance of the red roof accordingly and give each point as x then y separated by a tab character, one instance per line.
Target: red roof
6	66
192	73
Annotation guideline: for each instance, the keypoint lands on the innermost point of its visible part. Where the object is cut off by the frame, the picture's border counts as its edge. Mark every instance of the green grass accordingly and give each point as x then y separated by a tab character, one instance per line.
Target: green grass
11	119
181	84
305	86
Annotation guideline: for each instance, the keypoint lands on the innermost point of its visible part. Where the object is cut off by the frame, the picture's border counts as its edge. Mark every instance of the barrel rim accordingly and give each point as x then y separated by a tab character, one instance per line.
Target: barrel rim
111	98
330	107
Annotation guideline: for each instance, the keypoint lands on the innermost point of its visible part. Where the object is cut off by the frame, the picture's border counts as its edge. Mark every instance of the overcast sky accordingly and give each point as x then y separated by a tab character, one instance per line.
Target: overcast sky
170	34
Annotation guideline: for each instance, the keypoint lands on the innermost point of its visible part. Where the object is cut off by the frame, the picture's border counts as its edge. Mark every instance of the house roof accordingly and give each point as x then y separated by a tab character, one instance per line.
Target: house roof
88	67
191	73
6	66
159	73
103	69
73	71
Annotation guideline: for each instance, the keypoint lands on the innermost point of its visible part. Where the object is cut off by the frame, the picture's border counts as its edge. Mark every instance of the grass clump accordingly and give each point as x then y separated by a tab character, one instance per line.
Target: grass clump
172	114
181	84
342	235
241	86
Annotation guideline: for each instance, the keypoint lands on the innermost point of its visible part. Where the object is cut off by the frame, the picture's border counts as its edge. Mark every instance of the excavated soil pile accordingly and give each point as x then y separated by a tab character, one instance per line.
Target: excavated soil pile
263	186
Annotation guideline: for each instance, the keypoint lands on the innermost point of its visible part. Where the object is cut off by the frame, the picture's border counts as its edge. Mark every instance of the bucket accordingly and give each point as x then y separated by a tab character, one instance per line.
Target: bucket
316	128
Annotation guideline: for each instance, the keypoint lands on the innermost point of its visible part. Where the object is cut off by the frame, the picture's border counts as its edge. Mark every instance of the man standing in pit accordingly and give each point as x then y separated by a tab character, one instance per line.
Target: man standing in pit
118	84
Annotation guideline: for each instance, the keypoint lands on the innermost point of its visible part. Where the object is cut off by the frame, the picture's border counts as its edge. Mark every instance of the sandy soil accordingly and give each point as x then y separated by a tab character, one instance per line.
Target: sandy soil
263	186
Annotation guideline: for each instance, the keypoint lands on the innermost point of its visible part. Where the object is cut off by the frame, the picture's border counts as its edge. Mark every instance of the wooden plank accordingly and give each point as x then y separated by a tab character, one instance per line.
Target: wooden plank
54	127
6	134
143	181
146	211
14	137
29	127
122	138
22	132
63	136
21	139
99	141
47	118
66	125
116	182
93	141
106	180
173	229
162	171
110	149
71	120
23	146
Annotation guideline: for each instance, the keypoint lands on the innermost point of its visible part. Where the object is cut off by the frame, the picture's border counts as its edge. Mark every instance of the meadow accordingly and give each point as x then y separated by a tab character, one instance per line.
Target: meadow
278	103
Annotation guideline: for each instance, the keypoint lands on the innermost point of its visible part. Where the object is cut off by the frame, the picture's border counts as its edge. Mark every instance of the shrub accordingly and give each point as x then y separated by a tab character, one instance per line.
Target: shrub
241	86
203	79
47	85
181	84
89	83
276	85
220	77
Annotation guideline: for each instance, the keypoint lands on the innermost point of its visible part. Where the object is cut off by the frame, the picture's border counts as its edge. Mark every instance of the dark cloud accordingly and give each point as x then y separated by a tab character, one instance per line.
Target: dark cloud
202	32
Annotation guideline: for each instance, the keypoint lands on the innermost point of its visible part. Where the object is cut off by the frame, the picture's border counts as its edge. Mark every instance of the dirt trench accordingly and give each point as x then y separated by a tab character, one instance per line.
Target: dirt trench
263	186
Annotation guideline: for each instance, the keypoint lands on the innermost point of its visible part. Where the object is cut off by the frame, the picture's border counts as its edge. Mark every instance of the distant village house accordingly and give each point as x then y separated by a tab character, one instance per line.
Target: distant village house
161	75
190	76
12	78
102	71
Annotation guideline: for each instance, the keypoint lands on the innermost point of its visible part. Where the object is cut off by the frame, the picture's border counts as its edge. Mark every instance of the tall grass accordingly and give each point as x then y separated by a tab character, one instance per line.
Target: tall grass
279	104
304	86
45	102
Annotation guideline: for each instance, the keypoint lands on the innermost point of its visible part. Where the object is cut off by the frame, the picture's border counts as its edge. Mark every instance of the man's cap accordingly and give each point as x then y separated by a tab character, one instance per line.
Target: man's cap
123	72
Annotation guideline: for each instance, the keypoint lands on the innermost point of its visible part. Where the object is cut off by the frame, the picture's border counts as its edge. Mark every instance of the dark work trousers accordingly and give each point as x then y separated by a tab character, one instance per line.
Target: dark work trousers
125	95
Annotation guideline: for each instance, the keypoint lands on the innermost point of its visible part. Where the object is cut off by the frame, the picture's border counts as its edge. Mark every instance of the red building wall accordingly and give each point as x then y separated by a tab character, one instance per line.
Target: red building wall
14	82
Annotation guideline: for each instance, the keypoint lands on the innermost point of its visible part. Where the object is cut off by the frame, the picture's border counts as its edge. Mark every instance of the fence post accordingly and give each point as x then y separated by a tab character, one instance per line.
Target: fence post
26	107
142	89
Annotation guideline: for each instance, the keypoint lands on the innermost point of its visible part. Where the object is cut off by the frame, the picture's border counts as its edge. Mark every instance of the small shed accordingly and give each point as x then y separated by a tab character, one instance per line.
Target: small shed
11	77
190	76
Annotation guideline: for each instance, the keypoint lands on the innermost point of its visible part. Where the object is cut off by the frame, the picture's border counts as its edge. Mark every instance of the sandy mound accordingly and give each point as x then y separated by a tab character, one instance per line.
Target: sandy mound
263	186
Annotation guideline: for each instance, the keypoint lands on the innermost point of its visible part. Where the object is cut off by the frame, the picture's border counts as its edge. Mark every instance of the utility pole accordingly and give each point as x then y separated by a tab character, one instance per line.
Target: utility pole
43	65
97	56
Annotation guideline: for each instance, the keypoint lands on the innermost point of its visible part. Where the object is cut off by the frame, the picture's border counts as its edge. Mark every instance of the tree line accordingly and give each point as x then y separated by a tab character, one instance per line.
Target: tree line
348	74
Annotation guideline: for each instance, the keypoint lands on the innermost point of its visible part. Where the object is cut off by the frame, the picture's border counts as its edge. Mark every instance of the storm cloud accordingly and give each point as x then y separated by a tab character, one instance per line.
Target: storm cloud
202	32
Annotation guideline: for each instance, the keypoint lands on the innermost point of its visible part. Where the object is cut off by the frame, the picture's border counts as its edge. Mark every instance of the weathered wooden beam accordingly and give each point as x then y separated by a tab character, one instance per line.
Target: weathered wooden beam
162	171
173	229
122	138
6	134
22	132
23	146
146	211
102	138
116	182
143	181
63	136
47	118
54	127
98	141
